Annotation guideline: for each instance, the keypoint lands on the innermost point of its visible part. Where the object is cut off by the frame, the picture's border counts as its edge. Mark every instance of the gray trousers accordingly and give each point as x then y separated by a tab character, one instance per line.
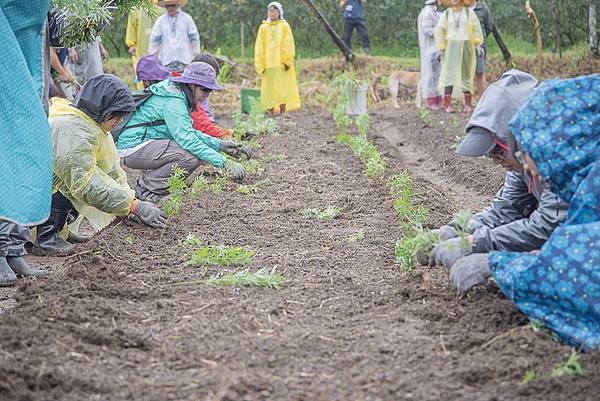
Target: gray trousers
157	159
13	238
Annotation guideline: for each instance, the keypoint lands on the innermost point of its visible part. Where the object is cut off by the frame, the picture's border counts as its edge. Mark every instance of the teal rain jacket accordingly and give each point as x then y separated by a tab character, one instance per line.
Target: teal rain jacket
560	286
169	104
25	153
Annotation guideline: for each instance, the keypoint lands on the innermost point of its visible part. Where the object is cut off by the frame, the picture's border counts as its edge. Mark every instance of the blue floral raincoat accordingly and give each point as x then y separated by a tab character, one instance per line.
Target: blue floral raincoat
560	287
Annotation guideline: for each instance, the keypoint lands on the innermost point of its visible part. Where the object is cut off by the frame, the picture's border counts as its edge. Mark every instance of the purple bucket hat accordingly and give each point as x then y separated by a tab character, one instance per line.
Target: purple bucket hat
201	74
149	68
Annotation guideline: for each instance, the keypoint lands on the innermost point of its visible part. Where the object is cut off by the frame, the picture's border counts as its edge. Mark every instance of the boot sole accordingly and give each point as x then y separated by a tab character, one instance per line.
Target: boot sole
40	252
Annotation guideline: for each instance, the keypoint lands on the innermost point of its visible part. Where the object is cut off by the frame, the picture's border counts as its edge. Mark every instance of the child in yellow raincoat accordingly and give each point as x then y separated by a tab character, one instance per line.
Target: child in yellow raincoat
274	61
458	37
87	178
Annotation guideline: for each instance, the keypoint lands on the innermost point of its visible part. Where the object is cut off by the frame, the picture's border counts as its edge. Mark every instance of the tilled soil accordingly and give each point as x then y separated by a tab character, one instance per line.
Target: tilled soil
124	320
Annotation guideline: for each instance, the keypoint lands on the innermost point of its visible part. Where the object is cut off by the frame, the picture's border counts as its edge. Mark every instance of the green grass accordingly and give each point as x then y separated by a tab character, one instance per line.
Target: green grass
262	278
220	255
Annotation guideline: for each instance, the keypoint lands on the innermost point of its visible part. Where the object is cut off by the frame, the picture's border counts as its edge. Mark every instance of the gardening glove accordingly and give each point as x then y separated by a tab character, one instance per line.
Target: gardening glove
445	232
249	134
448	252
246	151
149	214
231	148
479	50
470	271
235	170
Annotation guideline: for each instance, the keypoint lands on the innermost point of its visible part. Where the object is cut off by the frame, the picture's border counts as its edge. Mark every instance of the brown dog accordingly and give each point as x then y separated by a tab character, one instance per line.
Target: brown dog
409	79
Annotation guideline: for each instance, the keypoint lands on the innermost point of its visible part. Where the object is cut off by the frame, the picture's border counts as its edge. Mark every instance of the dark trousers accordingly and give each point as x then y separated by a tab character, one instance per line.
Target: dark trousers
361	27
13	238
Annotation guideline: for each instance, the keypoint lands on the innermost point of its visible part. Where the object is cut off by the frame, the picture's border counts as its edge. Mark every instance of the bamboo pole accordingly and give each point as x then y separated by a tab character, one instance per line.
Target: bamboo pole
593	28
538	36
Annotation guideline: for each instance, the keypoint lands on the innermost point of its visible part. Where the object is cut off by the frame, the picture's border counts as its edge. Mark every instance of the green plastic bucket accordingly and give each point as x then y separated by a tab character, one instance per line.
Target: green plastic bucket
246	96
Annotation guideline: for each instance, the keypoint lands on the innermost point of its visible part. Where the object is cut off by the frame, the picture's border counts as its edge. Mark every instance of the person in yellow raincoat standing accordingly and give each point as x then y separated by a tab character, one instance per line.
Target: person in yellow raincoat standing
137	36
274	61
458	37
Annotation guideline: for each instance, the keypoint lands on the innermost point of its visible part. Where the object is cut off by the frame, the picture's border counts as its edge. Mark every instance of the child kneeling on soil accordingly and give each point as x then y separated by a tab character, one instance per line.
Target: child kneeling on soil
160	134
87	177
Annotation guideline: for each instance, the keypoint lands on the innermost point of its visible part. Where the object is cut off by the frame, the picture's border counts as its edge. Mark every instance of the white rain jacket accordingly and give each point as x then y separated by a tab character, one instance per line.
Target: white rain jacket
175	38
430	64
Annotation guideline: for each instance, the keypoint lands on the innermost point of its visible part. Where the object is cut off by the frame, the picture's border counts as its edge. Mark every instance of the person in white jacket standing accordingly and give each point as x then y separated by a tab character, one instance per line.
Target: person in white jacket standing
174	35
430	57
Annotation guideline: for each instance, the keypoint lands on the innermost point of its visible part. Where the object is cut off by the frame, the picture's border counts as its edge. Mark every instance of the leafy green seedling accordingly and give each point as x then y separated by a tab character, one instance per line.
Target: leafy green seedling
130	239
217	186
199	185
425	116
528	377
310	212
362	123
406	254
220	255
572	367
262	278
461	222
331	212
193	240
343	138
375	168
176	181
357	236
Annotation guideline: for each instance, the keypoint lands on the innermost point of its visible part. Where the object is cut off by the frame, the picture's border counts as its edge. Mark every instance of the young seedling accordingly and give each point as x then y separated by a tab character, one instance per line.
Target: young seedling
331	212
217	186
199	185
357	236
425	116
375	167
406	254
310	212
246	189
130	239
362	123
193	240
262	278
461	222
528	377
572	367
343	138
176	186
220	255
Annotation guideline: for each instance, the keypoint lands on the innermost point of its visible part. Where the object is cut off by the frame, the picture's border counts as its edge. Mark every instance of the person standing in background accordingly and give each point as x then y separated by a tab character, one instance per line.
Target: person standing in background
430	57
174	35
354	17
137	36
274	54
487	25
458	37
86	61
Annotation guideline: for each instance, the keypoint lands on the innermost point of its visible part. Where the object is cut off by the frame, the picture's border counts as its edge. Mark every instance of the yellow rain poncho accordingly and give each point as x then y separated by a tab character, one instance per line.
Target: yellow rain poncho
457	34
86	166
275	49
139	28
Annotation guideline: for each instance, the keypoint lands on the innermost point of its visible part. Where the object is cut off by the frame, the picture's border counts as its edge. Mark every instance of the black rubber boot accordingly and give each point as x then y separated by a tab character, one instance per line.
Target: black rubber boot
78	239
48	242
22	269
7	276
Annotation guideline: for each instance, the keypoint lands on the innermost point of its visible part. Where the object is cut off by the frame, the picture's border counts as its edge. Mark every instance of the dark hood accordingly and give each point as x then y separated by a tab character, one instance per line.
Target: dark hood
499	103
559	126
102	95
